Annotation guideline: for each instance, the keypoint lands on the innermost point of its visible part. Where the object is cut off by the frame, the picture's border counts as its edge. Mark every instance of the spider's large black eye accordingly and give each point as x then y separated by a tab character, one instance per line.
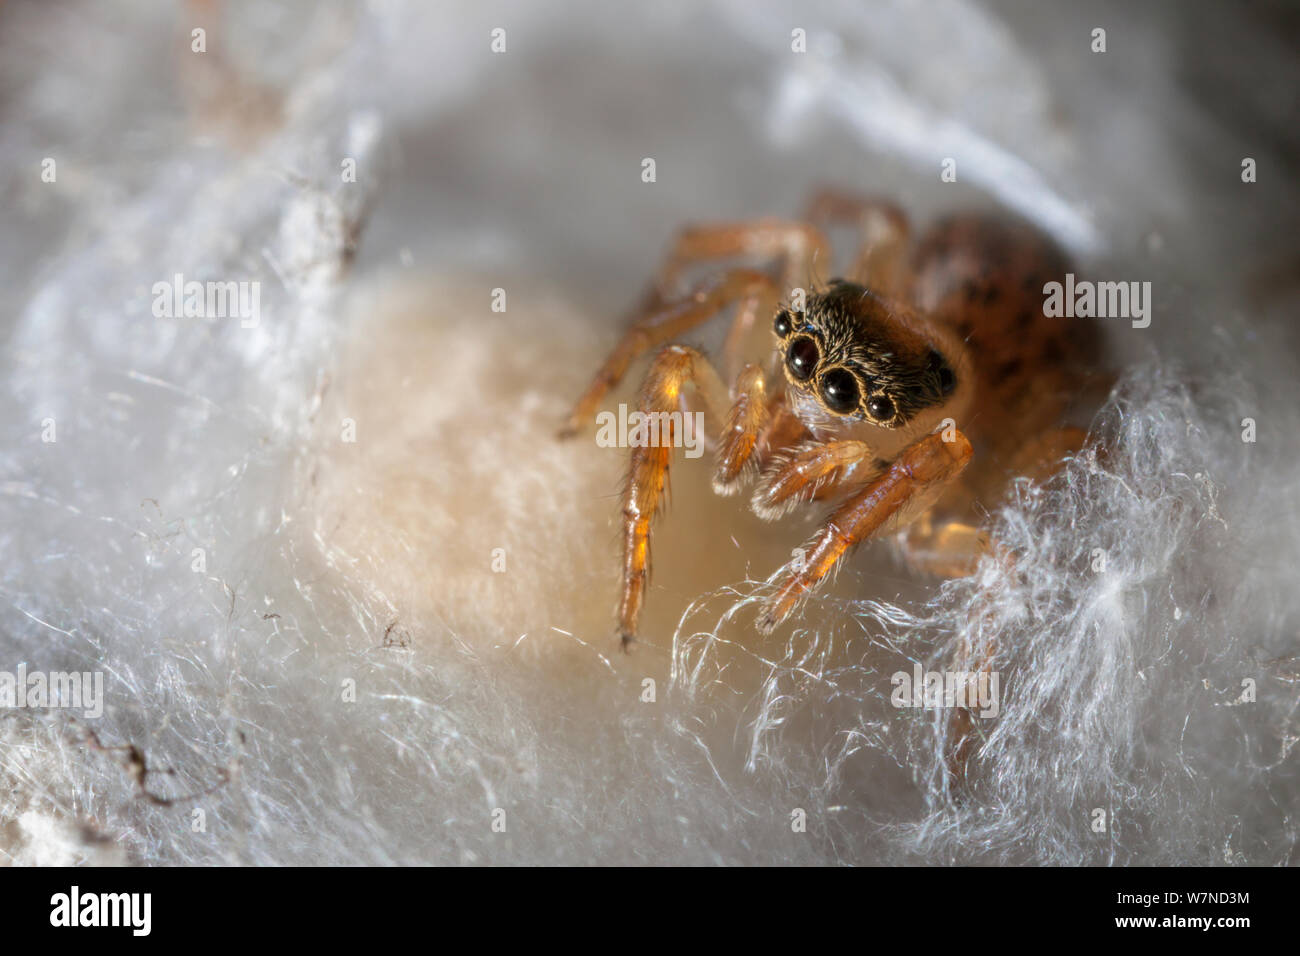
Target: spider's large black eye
802	358
880	407
782	325
840	391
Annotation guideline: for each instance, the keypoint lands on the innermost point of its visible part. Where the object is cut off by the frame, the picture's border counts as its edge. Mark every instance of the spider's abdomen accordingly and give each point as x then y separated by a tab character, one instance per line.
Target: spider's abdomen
983	277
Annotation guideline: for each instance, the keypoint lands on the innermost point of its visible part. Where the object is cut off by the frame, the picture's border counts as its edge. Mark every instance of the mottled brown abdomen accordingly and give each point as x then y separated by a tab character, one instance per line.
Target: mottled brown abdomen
984	277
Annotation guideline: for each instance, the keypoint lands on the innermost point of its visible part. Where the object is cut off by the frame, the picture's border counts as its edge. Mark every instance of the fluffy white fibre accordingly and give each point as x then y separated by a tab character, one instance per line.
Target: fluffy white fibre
490	679
1122	688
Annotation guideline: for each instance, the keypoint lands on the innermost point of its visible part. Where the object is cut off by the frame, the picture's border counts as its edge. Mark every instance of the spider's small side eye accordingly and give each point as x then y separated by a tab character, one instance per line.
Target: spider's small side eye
947	380
880	407
802	358
840	391
782	326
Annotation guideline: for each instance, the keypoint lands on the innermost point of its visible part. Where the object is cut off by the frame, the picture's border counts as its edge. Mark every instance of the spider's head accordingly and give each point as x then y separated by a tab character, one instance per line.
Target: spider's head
863	359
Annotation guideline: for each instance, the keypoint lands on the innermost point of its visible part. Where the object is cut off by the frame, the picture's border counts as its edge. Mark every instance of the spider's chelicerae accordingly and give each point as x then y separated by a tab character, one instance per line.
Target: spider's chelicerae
904	397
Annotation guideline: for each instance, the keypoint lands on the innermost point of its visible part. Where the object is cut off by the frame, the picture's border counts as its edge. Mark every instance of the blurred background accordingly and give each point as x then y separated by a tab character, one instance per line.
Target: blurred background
202	533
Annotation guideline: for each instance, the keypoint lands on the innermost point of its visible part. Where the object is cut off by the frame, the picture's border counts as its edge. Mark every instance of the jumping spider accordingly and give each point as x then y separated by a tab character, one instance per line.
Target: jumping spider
904	396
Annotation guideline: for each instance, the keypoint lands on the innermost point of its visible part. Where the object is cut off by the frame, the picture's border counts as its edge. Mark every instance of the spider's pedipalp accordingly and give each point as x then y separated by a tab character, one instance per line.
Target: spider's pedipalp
804	473
738	442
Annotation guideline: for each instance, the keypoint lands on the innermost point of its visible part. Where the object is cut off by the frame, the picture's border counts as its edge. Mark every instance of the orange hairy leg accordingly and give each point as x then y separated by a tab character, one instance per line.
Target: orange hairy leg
911	481
673	369
660	318
751	288
880	262
797	244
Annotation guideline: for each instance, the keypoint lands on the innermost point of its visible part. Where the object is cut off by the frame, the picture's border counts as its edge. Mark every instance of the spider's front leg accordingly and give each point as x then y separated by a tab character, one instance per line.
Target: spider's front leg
673	370
906	487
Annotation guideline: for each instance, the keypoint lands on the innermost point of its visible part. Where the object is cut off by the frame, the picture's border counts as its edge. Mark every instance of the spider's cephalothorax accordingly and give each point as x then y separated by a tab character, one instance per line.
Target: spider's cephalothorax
869	392
855	356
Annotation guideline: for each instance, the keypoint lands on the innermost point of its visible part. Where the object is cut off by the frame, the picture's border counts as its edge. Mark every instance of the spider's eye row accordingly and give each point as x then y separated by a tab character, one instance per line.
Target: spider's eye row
802	358
840	391
880	407
783	325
